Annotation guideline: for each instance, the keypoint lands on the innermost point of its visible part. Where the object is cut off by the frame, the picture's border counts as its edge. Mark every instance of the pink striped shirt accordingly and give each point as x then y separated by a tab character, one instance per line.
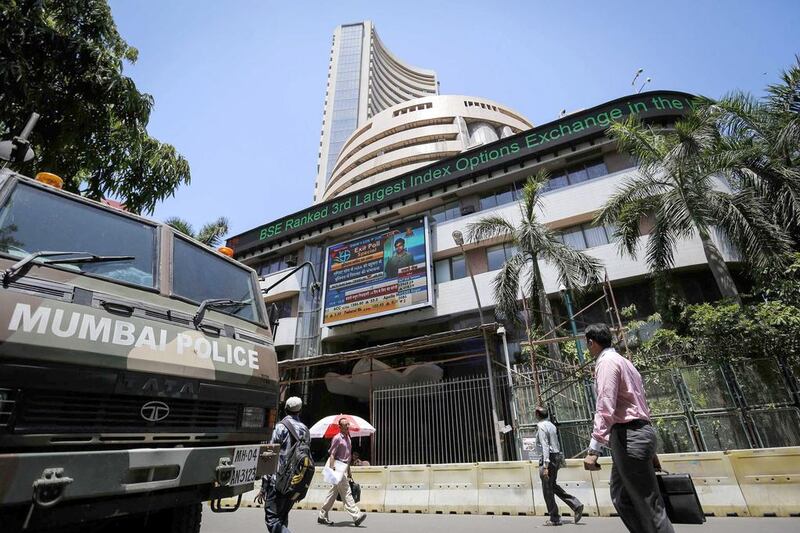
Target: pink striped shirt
620	395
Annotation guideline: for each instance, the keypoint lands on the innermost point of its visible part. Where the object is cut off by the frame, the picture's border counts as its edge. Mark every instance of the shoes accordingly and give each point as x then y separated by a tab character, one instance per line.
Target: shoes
360	519
549	523
578	514
324	521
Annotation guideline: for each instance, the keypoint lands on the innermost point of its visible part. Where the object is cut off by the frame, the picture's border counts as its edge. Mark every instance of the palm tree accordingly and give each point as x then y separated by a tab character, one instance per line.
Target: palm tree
210	234
760	145
678	186
534	242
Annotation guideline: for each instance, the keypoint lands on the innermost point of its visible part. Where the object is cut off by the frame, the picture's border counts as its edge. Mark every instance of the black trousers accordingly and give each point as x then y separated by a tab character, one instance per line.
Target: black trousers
276	509
551	489
634	488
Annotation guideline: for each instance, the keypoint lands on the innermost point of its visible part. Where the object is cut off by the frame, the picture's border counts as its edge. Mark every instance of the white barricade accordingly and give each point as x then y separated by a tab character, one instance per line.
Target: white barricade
454	489
407	489
714	480
505	488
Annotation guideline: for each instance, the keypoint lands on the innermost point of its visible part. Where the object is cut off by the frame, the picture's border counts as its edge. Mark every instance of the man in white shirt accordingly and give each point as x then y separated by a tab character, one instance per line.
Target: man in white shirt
549	462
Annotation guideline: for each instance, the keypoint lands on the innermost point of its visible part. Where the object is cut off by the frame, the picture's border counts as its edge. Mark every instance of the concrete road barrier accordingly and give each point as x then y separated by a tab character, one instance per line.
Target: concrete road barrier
763	482
454	489
372	480
769	480
714	480
407	489
505	488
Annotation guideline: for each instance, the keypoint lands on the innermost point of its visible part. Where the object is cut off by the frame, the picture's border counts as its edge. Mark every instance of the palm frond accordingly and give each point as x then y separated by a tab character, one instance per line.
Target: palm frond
506	288
180	225
211	234
489	227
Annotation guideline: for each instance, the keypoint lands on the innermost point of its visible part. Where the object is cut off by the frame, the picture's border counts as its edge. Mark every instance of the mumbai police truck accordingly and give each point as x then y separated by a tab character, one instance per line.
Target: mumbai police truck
138	376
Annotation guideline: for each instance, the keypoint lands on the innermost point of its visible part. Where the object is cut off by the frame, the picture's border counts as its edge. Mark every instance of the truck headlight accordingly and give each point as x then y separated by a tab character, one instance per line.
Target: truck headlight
253	417
6	406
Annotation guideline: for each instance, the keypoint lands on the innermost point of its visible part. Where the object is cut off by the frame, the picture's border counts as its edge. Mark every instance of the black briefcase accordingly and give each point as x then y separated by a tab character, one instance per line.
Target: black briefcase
680	498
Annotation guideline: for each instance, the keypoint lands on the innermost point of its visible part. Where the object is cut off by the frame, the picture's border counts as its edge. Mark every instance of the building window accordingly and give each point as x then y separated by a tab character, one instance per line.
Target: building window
445	212
502	196
283	307
577	174
586	236
450	269
275	265
498	255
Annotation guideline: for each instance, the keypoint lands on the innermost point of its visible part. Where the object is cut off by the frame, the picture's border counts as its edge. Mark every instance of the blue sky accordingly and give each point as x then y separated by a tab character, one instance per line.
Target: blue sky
239	85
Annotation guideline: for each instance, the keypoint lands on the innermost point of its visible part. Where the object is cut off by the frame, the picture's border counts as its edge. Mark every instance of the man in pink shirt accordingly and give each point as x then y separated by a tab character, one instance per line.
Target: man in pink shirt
339	459
622	423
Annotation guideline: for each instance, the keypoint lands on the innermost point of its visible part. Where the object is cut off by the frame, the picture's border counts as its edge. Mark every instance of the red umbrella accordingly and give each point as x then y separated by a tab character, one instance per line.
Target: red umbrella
328	427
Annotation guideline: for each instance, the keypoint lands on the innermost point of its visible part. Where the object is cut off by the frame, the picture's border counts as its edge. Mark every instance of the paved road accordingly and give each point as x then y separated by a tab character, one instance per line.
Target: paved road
252	520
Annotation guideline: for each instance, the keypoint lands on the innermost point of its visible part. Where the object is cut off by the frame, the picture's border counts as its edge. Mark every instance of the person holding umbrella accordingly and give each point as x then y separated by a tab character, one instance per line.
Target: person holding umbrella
339	456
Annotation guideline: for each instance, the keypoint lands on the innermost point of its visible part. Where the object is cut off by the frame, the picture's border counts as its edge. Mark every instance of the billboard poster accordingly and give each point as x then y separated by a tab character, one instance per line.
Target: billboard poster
378	274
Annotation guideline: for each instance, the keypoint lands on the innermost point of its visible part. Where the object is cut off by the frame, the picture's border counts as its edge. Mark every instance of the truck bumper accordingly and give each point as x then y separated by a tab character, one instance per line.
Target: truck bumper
100	474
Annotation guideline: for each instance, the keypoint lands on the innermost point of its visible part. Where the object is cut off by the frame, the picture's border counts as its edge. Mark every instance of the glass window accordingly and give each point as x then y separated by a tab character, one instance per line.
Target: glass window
458	268
488	201
595	235
557	181
283	307
574	239
505	196
596	169
199	274
577	175
446	212
496	256
442	270
33	220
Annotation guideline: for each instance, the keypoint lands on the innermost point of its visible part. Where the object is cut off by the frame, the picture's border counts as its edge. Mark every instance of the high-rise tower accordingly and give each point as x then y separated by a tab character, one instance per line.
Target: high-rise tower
364	78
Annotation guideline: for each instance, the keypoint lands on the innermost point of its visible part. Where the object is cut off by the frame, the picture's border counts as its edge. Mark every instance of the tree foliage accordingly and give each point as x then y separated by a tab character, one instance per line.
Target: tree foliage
64	60
759	148
210	234
534	241
678	187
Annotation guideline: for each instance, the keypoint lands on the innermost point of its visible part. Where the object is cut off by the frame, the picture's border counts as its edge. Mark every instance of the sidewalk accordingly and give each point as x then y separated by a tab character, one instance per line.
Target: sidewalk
306	521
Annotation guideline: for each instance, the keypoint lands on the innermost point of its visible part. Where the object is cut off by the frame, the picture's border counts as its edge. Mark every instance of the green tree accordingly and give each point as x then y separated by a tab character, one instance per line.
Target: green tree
759	146
64	59
534	242
210	234
678	187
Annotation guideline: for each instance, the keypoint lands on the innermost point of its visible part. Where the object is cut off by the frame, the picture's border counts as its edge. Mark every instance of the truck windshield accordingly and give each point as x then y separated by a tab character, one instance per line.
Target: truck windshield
199	274
32	220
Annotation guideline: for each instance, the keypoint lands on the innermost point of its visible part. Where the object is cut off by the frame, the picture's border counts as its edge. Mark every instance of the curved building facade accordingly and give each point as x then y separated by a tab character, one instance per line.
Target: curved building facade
413	134
364	78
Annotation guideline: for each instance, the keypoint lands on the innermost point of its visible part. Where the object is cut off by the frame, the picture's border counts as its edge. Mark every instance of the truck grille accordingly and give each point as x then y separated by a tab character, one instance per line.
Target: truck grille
63	412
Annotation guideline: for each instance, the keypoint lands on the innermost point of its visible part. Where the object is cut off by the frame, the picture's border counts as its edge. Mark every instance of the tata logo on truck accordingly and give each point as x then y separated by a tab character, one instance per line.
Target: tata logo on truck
154	411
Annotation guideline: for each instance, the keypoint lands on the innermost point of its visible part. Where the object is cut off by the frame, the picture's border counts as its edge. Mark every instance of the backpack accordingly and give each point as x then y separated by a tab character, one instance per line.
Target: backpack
294	475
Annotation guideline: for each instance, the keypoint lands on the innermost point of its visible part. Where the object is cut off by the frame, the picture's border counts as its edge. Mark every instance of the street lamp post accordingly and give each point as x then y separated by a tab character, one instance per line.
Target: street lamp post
515	423
458	237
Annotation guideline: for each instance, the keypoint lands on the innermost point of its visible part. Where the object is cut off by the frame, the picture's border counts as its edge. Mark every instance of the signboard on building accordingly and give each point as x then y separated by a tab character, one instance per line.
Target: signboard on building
378	274
666	105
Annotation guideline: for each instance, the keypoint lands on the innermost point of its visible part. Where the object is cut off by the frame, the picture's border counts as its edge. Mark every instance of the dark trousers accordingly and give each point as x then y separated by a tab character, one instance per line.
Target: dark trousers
276	510
634	488
551	489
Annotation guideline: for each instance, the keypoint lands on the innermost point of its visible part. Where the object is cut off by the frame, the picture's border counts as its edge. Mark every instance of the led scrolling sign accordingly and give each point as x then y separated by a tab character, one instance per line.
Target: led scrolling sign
588	123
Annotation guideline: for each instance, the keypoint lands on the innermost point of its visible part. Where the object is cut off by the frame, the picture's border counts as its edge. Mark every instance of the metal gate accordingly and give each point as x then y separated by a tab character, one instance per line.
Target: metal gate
745	404
443	422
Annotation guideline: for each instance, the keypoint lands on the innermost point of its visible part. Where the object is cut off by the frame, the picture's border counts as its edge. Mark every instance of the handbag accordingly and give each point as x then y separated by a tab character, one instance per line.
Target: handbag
355	490
680	498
